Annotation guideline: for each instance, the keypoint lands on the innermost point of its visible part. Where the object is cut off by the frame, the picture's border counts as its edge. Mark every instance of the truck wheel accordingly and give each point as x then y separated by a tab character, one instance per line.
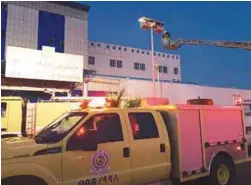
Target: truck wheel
222	171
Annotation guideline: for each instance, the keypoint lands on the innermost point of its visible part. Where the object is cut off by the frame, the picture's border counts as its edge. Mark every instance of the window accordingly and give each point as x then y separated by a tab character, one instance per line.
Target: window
136	66
142	67
91	60
59	128
176	70
177	57
52	40
137	51
132	50
107	46
154	54
248	130
112	63
124	49
148	53
100	128
3	109
92	44
119	64
62	43
107	126
172	56
119	48
98	45
164	69
168	56
163	55
160	69
113	47
159	54
3	34
142	52
143	126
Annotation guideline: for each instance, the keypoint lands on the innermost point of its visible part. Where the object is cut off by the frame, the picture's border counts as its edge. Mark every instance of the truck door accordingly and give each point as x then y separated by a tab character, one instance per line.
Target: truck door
148	147
107	163
4	116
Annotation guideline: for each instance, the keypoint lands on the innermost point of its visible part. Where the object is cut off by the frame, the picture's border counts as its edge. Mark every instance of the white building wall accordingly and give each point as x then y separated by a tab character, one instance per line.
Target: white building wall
180	93
103	52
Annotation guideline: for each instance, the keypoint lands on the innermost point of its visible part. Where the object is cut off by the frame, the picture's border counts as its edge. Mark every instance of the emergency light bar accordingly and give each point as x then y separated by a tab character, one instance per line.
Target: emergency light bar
200	102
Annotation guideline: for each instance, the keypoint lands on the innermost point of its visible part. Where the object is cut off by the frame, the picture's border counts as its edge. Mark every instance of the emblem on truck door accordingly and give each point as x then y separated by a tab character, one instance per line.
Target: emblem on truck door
100	160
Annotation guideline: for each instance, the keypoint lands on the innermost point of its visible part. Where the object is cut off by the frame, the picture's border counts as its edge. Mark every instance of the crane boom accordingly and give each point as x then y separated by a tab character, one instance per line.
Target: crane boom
175	44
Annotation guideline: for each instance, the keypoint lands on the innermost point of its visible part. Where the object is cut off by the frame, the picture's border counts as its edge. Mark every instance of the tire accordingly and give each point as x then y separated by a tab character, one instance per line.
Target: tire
23	181
222	171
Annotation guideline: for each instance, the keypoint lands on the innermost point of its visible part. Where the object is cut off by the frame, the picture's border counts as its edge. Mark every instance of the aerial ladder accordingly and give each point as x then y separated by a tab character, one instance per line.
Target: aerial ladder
170	44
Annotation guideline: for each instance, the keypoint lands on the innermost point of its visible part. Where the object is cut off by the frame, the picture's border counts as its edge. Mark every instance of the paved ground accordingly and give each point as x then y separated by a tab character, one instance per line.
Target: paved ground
243	174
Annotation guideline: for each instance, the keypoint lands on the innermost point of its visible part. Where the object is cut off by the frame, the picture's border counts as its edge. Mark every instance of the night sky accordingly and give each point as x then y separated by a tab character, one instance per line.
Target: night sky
117	23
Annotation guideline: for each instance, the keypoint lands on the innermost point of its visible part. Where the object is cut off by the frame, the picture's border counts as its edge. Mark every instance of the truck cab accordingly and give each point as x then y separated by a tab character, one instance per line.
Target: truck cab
97	146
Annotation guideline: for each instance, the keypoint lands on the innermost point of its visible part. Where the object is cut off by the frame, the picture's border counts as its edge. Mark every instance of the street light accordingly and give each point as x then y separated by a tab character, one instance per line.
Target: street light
154	26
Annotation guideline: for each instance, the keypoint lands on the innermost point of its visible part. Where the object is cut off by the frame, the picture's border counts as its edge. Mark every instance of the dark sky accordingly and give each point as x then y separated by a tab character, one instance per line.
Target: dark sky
117	22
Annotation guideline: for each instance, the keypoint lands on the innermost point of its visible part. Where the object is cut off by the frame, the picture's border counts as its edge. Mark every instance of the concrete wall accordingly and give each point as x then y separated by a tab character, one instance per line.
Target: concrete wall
180	93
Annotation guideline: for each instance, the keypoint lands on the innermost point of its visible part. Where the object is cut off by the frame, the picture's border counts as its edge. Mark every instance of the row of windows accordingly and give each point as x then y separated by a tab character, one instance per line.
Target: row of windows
137	66
116	63
109	128
163	69
135	51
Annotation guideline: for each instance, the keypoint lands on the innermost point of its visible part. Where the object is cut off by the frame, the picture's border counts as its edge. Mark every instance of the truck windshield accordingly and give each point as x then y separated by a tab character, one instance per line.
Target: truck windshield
58	129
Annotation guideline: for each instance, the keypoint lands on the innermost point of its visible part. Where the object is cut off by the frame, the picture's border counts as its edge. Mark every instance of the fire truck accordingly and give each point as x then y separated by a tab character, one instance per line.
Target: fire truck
107	144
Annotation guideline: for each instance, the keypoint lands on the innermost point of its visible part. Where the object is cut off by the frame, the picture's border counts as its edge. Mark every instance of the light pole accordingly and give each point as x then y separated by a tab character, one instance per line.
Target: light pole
154	26
157	68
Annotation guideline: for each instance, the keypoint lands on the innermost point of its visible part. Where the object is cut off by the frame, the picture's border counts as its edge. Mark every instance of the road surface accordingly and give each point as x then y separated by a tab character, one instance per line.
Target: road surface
243	174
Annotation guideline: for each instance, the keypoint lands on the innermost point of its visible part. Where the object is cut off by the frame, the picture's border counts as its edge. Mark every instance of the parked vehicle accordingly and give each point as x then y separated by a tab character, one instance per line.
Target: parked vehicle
130	146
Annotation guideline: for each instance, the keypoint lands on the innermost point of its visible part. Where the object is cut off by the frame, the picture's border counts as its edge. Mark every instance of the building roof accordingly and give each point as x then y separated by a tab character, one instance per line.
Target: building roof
73	4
